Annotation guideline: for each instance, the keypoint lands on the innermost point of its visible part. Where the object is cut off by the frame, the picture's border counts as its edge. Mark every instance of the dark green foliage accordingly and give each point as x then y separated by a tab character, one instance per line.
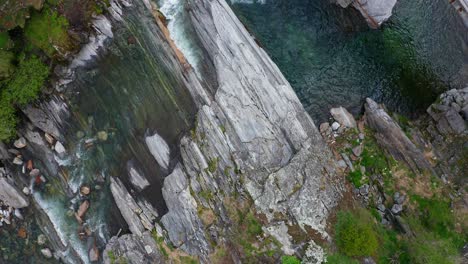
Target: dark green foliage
28	81
47	30
21	89
355	177
340	259
6	65
354	234
373	157
290	260
7	120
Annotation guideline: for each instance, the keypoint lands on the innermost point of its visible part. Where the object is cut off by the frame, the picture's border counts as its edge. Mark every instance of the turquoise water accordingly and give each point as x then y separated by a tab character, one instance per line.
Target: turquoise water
332	58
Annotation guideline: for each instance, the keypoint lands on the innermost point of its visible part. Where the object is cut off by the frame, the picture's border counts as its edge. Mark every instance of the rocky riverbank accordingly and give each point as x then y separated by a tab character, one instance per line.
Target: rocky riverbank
410	176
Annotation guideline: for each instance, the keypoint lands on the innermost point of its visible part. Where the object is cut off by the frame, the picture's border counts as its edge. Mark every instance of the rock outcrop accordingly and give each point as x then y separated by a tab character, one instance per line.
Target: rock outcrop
133	249
9	193
252	137
451	112
392	138
462	9
375	12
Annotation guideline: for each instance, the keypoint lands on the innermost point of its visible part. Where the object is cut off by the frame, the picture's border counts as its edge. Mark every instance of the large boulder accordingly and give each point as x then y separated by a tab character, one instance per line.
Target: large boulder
375	12
133	249
342	116
10	194
392	138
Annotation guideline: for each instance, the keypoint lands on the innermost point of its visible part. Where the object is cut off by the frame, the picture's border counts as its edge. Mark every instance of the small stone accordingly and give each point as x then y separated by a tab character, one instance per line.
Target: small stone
49	138
102	135
361	136
80	134
364	190
18	214
59	148
368	260
34	173
358	150
85	190
335	126
46	253
20	143
400	200
363	170
455	107
397	208
342	164
17	161
30	165
324	127
148	249
41	239
381	207
26	190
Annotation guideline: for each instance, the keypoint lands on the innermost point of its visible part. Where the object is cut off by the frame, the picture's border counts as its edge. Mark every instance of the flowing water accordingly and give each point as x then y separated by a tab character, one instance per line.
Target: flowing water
127	95
328	54
331	57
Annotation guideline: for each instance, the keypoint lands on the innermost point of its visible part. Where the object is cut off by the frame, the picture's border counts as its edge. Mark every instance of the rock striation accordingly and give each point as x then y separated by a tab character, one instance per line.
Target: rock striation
392	138
252	137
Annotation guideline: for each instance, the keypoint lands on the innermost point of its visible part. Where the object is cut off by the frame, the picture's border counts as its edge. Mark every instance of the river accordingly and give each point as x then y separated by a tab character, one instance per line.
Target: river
332	58
329	55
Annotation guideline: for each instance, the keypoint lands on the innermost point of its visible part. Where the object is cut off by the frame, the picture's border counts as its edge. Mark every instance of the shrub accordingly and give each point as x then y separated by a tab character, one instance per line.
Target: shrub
290	260
6	66
23	87
355	177
355	235
7	120
340	259
27	82
429	249
47	30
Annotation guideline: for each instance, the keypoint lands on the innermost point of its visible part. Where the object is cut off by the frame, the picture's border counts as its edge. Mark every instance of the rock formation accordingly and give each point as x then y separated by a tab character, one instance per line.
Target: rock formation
375	12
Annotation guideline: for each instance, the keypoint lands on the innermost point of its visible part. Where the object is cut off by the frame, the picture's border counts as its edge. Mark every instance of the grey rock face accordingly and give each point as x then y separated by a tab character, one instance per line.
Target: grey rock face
137	178
133	249
266	134
391	137
184	227
159	149
129	208
10	194
375	12
397	208
342	116
49	116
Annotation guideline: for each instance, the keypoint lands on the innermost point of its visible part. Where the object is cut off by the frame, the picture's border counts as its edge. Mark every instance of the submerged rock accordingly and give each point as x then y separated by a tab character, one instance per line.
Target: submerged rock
46	253
137	178
159	149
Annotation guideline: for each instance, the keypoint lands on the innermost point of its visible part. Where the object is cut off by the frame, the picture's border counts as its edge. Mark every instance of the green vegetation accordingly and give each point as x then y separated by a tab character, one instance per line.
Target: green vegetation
354	234
254	228
340	259
6	66
213	165
47	30
27	82
290	260
355	177
21	89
